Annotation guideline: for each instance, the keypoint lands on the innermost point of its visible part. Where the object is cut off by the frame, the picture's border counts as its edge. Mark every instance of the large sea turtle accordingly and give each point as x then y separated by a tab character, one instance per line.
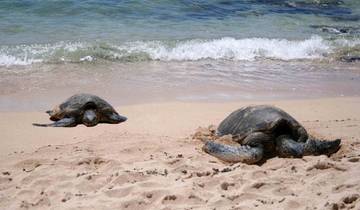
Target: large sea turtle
84	109
265	131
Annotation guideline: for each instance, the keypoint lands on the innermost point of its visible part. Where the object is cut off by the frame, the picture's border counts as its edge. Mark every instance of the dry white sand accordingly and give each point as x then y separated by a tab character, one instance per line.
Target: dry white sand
151	162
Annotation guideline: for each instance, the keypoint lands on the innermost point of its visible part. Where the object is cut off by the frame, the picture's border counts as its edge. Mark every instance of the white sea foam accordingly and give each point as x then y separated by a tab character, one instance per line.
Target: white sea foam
225	48
234	49
8	60
35	53
87	58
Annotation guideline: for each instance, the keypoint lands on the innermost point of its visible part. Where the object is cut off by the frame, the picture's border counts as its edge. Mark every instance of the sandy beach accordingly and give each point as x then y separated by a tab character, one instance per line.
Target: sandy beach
176	69
152	162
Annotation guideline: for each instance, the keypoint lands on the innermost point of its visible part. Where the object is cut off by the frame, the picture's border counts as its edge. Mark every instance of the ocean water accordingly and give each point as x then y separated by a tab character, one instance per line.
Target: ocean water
60	31
224	45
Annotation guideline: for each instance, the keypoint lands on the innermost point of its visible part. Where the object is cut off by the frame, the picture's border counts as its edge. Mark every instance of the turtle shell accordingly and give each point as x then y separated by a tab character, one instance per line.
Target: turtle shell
260	118
77	104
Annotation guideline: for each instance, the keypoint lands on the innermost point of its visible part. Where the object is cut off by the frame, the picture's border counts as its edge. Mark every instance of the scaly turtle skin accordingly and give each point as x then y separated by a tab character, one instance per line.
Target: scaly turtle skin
265	131
84	109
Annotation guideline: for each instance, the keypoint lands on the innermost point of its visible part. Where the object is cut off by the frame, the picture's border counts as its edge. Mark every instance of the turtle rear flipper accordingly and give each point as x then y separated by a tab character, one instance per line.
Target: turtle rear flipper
65	122
245	154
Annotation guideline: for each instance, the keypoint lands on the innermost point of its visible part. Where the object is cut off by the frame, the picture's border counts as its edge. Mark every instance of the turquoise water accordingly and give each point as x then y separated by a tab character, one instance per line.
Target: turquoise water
77	31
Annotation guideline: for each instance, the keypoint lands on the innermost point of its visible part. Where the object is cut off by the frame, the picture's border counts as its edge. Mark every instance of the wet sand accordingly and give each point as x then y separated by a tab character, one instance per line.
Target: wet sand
38	87
152	162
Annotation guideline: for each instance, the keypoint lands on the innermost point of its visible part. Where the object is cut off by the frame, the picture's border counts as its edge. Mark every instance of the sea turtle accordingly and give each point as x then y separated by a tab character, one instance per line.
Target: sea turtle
84	109
265	131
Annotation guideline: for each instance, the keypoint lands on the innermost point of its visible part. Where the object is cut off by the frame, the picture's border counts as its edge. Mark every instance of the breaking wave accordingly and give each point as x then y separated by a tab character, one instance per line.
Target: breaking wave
226	48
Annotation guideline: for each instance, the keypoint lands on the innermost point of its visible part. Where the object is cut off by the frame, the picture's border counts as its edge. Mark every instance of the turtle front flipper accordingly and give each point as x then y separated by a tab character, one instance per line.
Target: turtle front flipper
245	154
65	122
113	118
319	147
287	147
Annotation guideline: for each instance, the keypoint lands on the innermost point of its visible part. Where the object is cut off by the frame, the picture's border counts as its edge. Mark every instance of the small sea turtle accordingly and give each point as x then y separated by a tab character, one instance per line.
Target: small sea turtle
84	109
265	131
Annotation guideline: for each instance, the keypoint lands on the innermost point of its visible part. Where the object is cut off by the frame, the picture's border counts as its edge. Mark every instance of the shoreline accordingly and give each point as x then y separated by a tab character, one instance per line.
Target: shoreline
40	87
176	70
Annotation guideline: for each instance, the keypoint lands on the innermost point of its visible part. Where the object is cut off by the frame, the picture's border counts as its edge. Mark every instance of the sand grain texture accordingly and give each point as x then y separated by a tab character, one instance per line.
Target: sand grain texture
151	162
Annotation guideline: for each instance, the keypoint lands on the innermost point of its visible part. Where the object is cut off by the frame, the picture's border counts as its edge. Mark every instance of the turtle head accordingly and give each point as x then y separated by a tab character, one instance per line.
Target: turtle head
55	114
90	118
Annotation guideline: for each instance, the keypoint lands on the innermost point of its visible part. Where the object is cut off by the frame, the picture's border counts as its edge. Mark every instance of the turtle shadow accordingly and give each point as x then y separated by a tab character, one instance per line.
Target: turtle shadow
265	159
